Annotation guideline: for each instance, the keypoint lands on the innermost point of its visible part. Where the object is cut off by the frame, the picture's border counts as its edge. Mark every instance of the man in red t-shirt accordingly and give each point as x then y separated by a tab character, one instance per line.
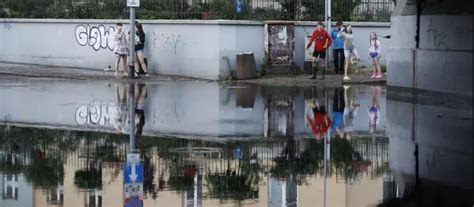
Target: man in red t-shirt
322	41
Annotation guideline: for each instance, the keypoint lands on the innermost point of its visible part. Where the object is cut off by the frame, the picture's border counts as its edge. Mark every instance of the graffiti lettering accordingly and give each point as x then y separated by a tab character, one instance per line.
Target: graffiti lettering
100	114
460	32
170	43
436	36
96	37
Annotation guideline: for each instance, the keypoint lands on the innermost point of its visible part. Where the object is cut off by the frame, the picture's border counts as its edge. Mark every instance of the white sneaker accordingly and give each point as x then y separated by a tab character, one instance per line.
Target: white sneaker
346	78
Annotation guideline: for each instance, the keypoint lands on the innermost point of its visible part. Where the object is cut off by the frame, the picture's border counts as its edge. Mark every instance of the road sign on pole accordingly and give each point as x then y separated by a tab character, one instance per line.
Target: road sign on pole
133	180
133	3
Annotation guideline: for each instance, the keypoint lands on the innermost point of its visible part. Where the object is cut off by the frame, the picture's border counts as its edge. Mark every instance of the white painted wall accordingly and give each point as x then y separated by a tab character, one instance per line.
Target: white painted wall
194	48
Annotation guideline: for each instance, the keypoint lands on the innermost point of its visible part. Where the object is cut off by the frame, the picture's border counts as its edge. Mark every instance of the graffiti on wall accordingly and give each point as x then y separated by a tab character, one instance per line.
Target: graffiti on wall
280	43
168	42
97	37
95	115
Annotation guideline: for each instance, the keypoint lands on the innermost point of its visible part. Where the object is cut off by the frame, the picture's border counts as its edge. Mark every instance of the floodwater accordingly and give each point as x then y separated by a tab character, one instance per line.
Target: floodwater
211	144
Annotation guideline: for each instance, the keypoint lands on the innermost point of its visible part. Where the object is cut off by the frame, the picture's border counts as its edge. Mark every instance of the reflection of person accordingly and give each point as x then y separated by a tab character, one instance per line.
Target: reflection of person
140	95
121	116
350	52
321	41
351	108
338	110
374	109
139	49
121	48
321	121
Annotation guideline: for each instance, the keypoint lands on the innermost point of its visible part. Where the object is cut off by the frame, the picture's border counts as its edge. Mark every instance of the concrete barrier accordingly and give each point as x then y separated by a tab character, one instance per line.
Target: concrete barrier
195	48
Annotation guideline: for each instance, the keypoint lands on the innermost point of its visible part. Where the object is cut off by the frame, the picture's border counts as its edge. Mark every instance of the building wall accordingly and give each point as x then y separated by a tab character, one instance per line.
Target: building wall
195	48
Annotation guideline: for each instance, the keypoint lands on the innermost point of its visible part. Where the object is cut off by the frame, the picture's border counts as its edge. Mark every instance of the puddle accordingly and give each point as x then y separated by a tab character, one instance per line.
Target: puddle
205	144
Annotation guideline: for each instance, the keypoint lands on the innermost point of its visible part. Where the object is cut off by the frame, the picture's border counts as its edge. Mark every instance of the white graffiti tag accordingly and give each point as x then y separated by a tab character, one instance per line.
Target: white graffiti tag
100	114
96	37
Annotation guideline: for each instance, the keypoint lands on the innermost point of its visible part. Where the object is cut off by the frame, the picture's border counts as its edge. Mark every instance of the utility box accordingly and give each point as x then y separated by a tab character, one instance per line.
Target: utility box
280	47
246	66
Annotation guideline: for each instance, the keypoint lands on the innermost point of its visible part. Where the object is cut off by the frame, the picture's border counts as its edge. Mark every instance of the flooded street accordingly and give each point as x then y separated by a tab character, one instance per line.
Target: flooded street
65	143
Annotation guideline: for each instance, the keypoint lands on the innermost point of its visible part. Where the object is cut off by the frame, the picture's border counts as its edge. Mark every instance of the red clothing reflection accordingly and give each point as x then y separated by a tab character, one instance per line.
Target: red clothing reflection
320	124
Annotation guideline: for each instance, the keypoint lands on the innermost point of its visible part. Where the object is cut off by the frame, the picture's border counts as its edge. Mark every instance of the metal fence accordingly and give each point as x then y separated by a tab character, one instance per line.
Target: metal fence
304	10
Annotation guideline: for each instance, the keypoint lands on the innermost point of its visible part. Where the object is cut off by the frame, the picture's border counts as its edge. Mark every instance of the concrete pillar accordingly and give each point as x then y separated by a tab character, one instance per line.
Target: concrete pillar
440	59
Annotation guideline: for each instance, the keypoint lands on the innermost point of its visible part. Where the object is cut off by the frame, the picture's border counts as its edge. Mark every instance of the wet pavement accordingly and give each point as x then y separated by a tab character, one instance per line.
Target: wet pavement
230	144
12	71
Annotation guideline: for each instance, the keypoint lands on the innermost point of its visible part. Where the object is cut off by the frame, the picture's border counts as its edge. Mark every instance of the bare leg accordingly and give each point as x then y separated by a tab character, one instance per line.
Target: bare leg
322	66
125	63
117	63
142	61
377	68
346	68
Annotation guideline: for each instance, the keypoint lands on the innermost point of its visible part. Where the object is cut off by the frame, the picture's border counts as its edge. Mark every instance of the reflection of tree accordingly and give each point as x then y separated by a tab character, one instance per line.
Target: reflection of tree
301	164
45	172
89	177
149	186
239	183
344	159
35	152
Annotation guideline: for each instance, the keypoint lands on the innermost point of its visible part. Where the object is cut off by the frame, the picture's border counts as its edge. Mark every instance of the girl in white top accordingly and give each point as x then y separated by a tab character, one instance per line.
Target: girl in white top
350	52
374	54
121	48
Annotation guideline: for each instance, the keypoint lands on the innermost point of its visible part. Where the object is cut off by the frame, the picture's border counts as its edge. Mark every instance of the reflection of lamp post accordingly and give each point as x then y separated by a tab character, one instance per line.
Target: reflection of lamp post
131	95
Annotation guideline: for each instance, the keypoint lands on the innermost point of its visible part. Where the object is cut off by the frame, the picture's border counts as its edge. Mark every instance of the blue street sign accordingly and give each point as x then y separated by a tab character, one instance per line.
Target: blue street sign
238	6
133	173
238	153
133	202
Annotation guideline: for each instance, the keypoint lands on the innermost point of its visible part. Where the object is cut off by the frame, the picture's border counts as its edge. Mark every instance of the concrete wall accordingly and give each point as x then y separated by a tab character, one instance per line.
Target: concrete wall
195	48
443	60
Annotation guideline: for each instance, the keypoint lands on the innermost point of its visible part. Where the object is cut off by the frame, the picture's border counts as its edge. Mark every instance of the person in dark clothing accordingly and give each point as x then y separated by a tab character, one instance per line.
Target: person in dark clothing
338	111
139	49
338	49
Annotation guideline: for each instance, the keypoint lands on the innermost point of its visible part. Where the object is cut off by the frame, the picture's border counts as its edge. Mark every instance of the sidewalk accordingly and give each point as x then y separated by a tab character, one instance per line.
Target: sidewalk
21	71
11	71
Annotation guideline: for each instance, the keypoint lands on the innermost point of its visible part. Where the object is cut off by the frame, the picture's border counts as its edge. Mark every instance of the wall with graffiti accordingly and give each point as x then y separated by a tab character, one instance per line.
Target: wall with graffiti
201	49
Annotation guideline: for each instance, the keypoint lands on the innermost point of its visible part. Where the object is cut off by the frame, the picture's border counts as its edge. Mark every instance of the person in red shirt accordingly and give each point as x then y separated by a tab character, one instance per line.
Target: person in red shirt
322	41
321	122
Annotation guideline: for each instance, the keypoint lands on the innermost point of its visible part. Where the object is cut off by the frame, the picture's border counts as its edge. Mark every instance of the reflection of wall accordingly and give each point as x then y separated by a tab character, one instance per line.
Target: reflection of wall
174	108
282	192
444	141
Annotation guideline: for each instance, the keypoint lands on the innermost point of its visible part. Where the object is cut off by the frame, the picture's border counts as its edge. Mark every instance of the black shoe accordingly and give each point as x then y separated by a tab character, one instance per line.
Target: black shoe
312	77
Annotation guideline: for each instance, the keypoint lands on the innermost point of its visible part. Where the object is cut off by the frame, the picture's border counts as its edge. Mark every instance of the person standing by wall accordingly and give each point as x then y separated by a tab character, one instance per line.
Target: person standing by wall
374	54
121	49
321	41
338	49
139	49
350	51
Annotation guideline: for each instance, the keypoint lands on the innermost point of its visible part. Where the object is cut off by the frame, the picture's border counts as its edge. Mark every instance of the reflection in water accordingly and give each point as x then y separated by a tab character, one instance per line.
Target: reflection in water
205	144
198	171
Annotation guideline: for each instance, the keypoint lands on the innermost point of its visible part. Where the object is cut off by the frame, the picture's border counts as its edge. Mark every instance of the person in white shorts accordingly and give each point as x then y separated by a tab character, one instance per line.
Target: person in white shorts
350	52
